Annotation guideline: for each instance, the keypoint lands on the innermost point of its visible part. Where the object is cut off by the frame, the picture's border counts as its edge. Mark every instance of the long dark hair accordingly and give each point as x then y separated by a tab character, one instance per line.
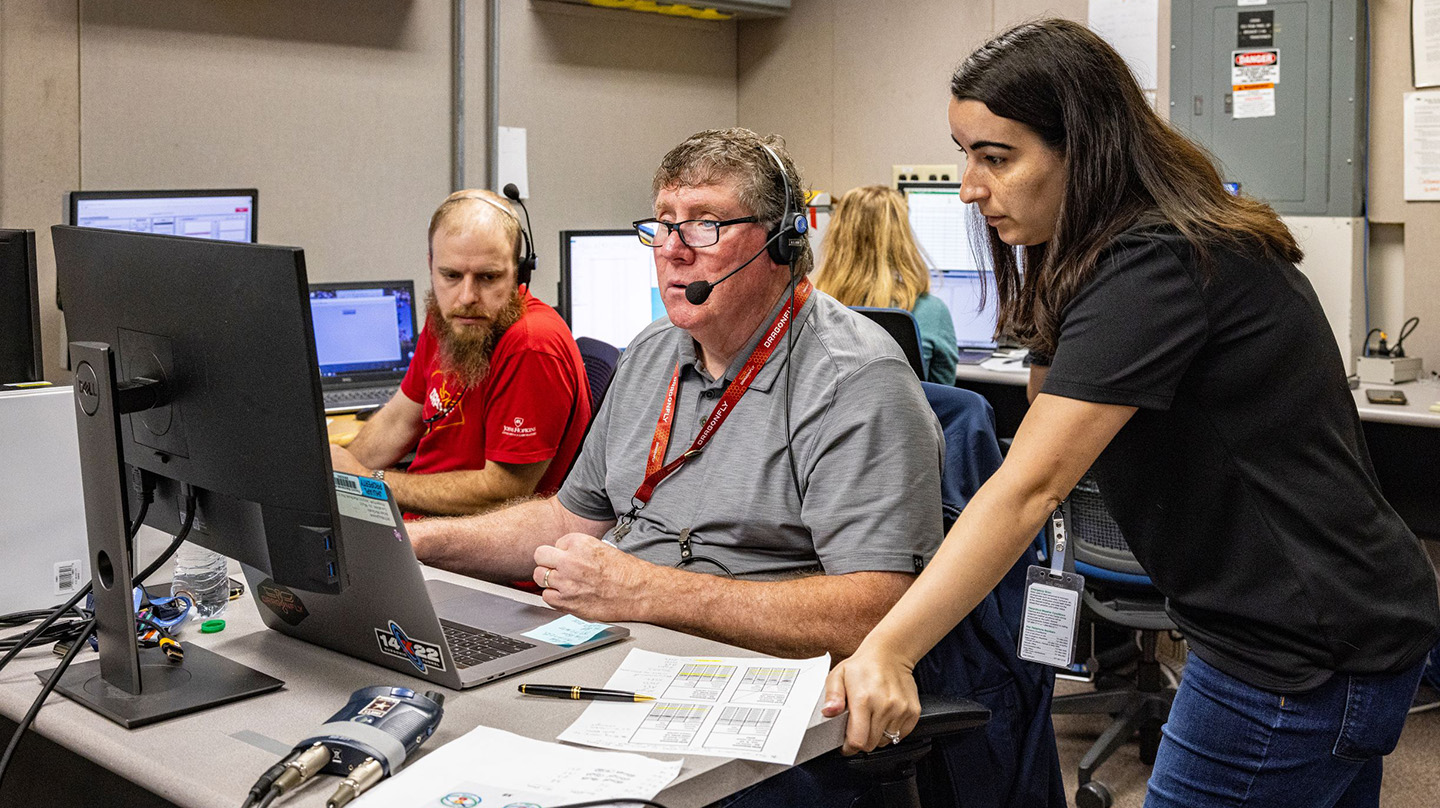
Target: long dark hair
1124	166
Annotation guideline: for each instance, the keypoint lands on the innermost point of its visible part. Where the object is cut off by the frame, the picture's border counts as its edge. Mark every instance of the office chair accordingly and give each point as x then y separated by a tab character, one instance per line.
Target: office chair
1118	593
600	359
900	325
973	672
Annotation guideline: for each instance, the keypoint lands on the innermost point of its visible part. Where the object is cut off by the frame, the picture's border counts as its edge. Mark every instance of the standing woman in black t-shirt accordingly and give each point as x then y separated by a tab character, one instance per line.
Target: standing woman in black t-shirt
1191	365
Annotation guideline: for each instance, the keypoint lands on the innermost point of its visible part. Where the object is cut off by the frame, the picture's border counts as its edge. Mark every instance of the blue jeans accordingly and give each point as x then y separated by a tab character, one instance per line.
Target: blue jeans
1230	744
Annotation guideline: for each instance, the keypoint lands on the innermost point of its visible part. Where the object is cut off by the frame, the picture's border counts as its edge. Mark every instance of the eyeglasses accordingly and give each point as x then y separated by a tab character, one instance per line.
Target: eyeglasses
693	232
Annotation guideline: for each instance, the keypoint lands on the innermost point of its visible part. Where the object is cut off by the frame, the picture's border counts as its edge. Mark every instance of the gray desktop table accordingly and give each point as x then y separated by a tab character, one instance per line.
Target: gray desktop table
213	757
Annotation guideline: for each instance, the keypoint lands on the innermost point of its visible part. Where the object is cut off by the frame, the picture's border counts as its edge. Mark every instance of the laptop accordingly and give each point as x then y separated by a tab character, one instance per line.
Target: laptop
451	635
364	340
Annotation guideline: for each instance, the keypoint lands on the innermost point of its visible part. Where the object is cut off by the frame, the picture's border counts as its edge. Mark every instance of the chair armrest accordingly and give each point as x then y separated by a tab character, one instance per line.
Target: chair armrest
941	716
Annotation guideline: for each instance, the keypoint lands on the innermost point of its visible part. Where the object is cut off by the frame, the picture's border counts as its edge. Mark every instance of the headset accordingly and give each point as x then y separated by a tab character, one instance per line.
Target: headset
525	256
782	250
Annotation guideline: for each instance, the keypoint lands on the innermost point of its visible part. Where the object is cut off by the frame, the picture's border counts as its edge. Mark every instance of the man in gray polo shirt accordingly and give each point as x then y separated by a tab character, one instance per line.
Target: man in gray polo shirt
808	509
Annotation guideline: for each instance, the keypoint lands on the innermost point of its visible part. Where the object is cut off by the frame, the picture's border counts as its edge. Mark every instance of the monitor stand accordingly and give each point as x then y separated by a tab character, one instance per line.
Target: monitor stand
128	686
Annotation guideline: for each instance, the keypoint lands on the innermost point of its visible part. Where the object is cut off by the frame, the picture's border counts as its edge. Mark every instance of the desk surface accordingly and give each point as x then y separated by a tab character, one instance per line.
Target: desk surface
1419	394
242	740
975	373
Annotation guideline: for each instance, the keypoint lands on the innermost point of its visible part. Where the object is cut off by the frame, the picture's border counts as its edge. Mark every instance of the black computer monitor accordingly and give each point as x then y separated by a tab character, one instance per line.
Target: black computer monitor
20	359
608	289
227	214
945	228
194	366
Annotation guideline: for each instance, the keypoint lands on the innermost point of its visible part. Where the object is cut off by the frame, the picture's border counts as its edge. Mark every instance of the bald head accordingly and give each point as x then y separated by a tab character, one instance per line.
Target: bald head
472	211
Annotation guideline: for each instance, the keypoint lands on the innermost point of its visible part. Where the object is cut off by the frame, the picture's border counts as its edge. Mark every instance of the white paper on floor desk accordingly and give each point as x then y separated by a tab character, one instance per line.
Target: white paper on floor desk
492	767
756	708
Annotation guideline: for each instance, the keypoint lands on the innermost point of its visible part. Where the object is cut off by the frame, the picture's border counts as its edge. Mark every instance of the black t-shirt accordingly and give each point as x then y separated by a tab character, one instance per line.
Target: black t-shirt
1243	484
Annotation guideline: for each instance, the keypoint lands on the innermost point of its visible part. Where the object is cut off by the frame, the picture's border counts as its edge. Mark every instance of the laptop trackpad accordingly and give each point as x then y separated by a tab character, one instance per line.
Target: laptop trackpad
497	613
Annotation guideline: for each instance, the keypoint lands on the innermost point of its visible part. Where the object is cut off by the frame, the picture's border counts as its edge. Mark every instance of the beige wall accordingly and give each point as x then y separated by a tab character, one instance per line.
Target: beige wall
602	96
338	110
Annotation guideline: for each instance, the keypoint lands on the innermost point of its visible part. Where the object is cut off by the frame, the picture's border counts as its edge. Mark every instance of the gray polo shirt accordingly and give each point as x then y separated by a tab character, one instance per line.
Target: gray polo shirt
867	450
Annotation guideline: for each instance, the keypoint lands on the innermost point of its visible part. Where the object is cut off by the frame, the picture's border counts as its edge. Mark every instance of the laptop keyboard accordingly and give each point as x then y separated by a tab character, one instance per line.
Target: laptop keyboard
970	356
471	646
356	398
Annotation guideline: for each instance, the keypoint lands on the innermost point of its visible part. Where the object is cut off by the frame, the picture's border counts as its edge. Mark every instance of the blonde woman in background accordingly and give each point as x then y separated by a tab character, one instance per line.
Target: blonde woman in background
871	259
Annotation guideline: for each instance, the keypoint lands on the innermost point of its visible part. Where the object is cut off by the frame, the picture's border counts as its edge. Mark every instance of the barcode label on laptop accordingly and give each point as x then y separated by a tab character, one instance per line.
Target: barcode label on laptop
67	577
361	498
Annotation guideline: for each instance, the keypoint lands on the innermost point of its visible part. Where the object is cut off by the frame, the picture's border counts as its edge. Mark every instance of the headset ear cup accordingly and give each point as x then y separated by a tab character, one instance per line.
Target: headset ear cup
780	251
525	263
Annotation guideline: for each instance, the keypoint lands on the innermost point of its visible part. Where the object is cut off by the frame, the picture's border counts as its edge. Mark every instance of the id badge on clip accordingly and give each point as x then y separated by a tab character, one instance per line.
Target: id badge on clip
1050	623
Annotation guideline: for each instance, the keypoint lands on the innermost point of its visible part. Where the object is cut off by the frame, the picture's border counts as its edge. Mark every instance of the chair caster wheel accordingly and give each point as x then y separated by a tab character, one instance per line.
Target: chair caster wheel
1093	794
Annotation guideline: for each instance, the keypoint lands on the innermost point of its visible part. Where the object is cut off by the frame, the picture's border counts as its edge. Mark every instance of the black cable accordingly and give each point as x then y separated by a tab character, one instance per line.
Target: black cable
44	694
1397	351
134	528
1365	346
789	361
270	796
88	629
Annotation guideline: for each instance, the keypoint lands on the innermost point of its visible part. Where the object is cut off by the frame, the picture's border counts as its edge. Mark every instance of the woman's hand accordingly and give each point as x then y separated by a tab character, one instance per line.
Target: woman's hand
878	687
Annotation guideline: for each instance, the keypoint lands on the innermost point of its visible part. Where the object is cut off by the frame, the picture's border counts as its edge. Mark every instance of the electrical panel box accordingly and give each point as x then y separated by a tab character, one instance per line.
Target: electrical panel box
1276	91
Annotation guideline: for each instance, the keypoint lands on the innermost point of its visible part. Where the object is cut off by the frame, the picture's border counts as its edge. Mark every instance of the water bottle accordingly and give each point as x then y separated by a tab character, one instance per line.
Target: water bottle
201	573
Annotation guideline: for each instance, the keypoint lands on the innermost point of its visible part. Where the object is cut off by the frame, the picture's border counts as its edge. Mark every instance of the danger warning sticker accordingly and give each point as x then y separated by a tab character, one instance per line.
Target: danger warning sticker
1251	67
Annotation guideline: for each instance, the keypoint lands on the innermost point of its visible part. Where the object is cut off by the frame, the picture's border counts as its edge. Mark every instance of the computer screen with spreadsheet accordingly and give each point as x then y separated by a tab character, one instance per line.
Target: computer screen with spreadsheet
608	289
941	223
222	215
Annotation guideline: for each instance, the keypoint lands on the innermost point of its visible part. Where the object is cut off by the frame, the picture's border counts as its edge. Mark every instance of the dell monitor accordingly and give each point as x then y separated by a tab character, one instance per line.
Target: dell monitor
365	336
608	289
20	359
942	224
223	215
194	369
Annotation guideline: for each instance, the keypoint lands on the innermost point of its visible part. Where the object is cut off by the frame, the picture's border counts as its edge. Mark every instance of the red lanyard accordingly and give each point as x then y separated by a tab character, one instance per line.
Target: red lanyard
656	469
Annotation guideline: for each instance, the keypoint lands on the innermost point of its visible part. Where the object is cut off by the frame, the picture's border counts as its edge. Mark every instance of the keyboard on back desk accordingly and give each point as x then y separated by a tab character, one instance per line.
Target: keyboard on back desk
471	646
356	398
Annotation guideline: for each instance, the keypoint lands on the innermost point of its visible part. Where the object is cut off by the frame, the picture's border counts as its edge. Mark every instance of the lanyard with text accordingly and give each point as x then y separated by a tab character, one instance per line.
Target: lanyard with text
656	469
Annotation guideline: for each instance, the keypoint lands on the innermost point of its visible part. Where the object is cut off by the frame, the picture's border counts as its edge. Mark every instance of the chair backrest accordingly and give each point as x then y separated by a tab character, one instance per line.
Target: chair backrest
600	359
900	325
1097	539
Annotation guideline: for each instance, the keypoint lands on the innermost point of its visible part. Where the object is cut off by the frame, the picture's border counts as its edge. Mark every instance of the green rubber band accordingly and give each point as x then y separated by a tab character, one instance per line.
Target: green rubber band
212	626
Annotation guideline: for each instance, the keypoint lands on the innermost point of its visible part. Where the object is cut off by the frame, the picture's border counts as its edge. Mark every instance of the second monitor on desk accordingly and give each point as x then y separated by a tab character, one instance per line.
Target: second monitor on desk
608	289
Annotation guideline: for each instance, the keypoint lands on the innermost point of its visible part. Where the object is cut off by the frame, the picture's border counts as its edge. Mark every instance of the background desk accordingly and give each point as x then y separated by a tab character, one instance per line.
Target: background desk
210	759
1404	443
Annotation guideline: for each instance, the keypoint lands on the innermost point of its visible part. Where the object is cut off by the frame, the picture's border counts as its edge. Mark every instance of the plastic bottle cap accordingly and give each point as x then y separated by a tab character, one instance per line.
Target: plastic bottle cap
212	626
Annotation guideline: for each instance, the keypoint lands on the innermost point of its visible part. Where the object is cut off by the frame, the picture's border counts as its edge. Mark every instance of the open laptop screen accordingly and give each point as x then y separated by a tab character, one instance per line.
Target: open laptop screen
365	331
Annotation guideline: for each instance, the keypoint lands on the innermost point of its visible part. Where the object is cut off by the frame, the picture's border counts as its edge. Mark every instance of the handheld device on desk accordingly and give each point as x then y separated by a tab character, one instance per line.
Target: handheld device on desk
367	740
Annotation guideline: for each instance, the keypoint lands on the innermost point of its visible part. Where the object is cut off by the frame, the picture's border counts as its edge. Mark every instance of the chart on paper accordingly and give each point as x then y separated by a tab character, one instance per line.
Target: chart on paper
753	708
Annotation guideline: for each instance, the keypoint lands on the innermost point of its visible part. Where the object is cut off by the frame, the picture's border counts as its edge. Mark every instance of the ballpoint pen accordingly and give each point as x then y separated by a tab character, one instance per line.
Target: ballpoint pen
582	693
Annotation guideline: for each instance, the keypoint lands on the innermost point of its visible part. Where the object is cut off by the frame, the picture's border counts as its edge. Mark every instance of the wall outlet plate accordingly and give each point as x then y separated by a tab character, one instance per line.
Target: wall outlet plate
925	173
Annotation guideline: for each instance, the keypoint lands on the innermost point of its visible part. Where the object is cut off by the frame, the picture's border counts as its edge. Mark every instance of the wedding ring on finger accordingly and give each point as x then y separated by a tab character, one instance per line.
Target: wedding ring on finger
893	737
545	582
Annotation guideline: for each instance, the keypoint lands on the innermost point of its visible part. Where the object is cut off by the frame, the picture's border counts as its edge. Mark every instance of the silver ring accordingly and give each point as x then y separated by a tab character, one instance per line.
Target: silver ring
894	737
545	582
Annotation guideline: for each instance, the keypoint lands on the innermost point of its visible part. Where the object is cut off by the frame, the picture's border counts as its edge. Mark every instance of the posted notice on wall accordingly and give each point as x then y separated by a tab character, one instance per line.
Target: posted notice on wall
1253	76
1132	27
1422	146
1425	41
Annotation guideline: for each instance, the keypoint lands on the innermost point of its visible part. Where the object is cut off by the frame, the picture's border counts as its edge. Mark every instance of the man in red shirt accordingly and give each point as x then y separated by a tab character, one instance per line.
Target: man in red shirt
496	401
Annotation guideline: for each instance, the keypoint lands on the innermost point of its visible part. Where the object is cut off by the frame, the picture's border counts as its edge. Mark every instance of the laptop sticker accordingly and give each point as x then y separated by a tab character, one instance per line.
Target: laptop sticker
282	602
566	631
362	498
422	655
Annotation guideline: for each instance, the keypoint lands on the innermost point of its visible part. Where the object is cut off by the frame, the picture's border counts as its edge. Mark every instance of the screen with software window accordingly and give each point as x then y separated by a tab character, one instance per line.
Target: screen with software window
223	215
940	221
608	289
363	328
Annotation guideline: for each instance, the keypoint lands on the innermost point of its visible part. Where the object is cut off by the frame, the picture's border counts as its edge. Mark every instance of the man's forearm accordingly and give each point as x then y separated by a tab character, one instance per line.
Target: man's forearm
458	493
803	617
498	546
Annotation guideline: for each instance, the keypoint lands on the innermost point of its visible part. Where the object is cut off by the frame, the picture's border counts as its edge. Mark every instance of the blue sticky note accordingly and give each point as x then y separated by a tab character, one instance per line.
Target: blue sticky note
566	631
